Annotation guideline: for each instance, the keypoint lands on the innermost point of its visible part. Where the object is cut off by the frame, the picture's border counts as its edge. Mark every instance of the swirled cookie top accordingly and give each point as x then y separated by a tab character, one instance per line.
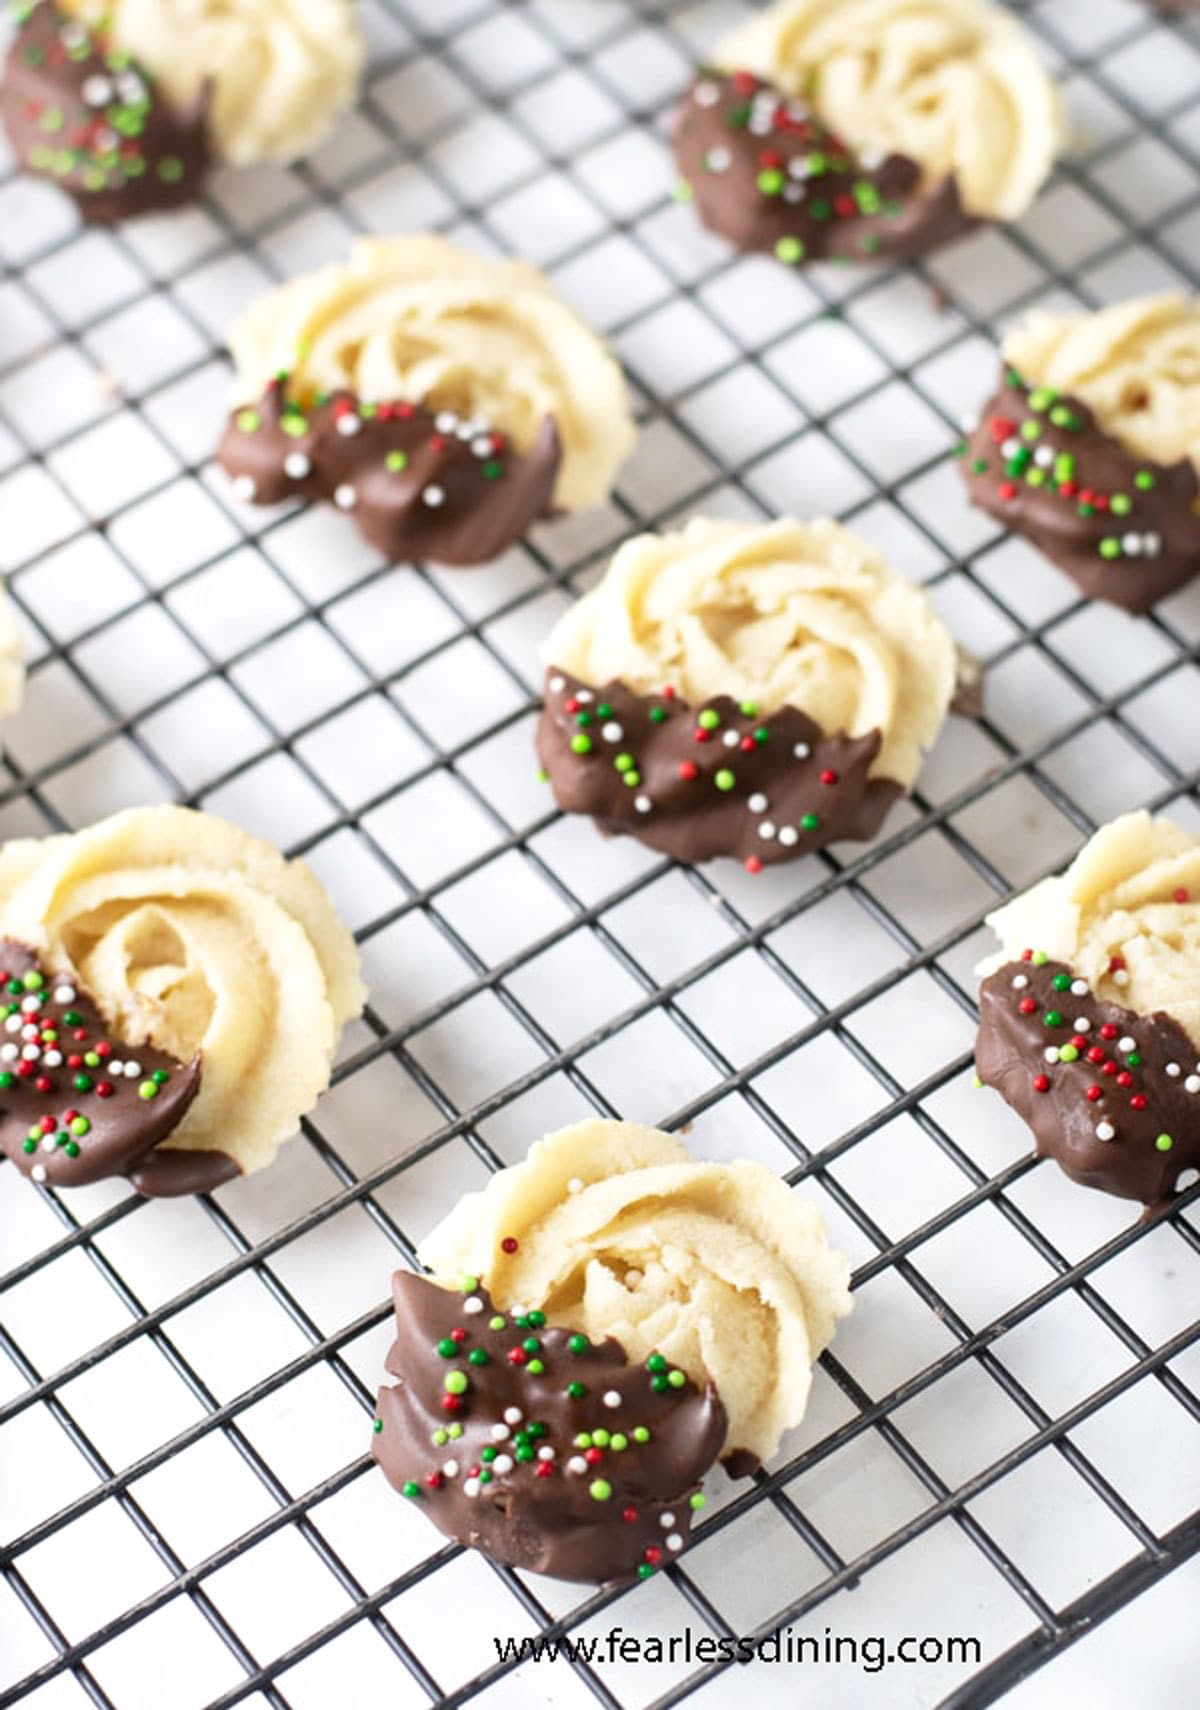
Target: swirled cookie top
279	71
795	614
956	85
417	319
1135	364
614	1229
1125	915
201	939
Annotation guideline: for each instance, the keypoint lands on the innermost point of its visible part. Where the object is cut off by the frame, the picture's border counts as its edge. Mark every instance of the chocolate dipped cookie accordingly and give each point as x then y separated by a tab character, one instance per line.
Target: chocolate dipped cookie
173	993
857	130
444	402
126	105
755	691
1089	1020
1091	447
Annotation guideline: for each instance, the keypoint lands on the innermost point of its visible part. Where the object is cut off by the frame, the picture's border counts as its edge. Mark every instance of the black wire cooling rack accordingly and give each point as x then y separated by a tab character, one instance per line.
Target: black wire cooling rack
475	113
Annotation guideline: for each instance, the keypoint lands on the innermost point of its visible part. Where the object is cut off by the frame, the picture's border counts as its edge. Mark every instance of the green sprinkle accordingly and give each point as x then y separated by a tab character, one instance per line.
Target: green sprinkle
658	715
377	1427
1086	510
790	250
411	1487
708	719
577	1344
583	1439
1040	958
820	209
536	1320
818	165
659	1382
489	1453
1031	430
641	1434
396	461
600	1437
725	780
618	1441
170	169
656	1363
581	744
1061	982
676	1379
249	421
80	1126
1163	1143
83	1083
1042	399
645	1570
1120	504
496	1323
979	466
1134	1060
1110	547
683	191
478	1357
535	1368
29	1145
599	1490
33	981
1068	1054
697	1501
1052	1018
625	762
810	822
146	1090
575	1389
1035	478
455	1383
468	1284
72	1017
440	1437
454	1432
296	426
1143	480
771	181
493	469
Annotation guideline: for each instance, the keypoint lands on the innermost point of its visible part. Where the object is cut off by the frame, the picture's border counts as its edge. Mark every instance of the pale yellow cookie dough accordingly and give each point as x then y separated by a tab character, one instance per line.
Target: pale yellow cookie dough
620	1232
280	71
956	85
1136	365
195	936
1131	895
416	318
795	614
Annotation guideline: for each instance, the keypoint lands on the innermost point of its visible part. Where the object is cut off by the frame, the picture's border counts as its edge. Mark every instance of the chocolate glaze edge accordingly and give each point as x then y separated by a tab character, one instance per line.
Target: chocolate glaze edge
783	788
1125	529
93	123
419	483
595	1511
766	174
1120	1110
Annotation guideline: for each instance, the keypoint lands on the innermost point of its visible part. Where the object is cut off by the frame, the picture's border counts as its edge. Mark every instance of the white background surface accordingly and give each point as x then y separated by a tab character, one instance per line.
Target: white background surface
266	667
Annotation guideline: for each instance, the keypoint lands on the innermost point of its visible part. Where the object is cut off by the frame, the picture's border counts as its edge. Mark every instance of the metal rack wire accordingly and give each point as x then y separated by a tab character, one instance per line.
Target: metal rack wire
589	47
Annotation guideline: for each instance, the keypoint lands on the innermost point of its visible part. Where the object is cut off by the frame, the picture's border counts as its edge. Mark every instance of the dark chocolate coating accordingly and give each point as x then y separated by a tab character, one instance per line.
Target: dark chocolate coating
1147	1092
45	1097
1071	519
542	1500
765	173
91	121
652	770
387	464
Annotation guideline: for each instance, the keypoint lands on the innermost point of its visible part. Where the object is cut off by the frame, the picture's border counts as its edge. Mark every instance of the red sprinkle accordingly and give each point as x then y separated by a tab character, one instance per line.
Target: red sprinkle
509	1244
104	1089
629	1515
753	864
1124	1079
451	1404
1027	1006
25	1070
1096	1054
1007	491
47	1125
1115	963
44	1083
1041	1083
458	1335
828	777
517	1356
653	1554
699	735
1108	1031
1182	896
1094	1093
1138	1101
74	1061
593	1457
688	771
543	1469
434	1481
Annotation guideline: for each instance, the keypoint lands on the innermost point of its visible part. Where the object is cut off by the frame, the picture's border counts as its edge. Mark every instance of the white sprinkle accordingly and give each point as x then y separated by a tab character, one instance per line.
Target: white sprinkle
349	424
132	1070
802	751
244	488
1044	456
794	192
1186	1179
643	804
1081	1024
1131	545
97	91
500	1433
1152	545
870	158
718	160
1121	977
105	141
758	803
612	732
1192	1084
1079	988
557	685
345	497
465	431
1105	1131
799	167
706	94
114	1065
296	466
48	1143
788	835
8	1053
673	1541
472	1304
29	1004
73	36
731	739
666	1521
577	1464
1010	448
482	447
471	1487
53	1059
1051	1054
64	994
766	830
546	1453
38	1172
502	1464
513	1415
1127	1044
29	1031
31	1053
574	1185
584	695
633	1277
1174	1071
612	1398
14	1024
130	88
1020	981
761	125
445	421
450	1469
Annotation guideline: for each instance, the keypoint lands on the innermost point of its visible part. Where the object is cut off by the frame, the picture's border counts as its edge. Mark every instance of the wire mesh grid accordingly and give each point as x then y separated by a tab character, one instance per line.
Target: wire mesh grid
189	1514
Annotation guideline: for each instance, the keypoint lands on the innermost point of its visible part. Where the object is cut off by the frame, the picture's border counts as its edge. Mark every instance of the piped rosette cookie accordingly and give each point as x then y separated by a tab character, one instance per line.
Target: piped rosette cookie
1090	1017
625	1316
173	992
857	130
126	104
749	690
1091	446
444	401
